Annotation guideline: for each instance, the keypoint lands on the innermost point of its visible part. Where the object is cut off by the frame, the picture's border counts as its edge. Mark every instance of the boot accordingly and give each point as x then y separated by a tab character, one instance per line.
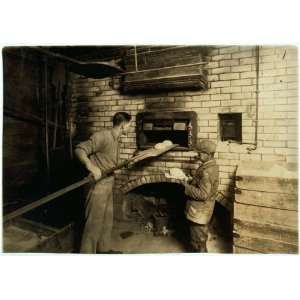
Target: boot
203	248
198	248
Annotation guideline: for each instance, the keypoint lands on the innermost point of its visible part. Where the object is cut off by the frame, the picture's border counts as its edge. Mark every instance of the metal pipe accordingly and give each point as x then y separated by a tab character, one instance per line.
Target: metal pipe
135	59
257	94
256	102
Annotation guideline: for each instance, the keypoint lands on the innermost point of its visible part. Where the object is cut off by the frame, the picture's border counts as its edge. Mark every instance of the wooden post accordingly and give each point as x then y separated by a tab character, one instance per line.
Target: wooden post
46	120
68	114
135	59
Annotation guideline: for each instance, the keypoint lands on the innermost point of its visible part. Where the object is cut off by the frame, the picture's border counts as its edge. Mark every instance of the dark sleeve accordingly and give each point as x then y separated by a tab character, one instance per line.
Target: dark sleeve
201	191
93	144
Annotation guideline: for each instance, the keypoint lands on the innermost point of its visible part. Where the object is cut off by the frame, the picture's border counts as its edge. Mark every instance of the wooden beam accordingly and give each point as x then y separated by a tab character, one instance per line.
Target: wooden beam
28	117
268	199
46	120
264	245
266	215
266	231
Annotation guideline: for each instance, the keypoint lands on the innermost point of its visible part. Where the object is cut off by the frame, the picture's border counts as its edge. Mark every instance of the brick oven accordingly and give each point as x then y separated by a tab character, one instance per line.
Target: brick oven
247	105
149	197
244	98
159	117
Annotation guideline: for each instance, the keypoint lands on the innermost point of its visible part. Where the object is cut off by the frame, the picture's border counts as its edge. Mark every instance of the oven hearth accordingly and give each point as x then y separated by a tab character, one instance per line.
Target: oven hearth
156	208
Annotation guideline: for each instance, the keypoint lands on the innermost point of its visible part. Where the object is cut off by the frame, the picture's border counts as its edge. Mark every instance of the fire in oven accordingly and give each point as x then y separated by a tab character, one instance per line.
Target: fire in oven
155	127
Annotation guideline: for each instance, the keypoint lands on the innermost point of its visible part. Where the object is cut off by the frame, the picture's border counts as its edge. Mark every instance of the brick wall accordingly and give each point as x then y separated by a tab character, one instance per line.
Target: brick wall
232	88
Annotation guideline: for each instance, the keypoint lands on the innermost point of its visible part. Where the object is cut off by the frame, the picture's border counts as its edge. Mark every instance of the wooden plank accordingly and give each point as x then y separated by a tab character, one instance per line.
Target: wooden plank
264	245
32	237
193	81
30	226
264	184
241	250
266	231
267	199
62	241
151	152
265	215
158	73
274	177
18	237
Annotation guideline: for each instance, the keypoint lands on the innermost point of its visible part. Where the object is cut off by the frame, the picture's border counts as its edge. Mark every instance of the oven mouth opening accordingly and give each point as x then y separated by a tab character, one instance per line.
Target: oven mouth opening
179	127
157	208
149	138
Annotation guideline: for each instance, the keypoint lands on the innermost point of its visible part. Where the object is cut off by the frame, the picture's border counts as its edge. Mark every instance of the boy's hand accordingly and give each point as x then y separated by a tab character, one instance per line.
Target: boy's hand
189	178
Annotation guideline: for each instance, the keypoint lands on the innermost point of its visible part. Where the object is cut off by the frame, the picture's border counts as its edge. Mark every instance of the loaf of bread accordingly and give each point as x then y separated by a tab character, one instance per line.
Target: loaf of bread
163	145
176	173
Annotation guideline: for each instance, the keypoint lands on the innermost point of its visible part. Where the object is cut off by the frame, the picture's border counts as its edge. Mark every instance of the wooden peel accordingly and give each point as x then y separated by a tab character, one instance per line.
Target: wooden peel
149	153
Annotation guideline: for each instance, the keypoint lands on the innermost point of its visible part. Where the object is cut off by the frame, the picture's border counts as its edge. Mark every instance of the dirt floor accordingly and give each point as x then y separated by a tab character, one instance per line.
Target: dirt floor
127	241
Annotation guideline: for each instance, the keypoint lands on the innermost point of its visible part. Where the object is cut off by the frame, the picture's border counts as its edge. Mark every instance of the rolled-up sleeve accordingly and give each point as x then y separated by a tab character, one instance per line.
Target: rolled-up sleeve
93	144
201	191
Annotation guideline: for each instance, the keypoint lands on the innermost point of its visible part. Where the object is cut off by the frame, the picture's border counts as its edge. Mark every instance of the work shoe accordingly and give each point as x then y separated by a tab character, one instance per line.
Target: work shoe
111	252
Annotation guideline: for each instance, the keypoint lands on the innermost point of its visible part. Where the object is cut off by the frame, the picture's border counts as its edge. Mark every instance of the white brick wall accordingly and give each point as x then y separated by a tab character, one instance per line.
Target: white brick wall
232	80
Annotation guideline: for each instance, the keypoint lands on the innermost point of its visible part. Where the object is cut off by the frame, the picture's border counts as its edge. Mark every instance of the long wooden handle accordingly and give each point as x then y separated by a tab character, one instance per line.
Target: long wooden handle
59	193
78	184
45	199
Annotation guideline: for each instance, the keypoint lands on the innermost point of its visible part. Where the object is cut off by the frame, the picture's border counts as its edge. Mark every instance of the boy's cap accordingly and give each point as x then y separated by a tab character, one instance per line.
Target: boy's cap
206	146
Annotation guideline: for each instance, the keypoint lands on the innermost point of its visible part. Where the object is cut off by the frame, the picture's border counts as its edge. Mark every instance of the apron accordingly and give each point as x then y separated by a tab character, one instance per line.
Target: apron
98	217
103	151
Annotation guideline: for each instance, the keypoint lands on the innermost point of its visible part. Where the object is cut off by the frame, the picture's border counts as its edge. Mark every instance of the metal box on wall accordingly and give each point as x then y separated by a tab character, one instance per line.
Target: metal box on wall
168	68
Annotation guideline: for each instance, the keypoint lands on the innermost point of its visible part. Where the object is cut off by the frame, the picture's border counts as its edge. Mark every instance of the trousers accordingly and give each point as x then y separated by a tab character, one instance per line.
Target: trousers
198	236
98	217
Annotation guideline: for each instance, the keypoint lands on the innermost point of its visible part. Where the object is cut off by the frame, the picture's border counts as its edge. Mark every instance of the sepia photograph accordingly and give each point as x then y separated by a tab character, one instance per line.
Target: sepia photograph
130	149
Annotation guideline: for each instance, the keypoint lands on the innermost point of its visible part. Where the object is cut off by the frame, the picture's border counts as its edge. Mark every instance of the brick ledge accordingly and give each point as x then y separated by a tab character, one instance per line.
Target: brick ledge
146	179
